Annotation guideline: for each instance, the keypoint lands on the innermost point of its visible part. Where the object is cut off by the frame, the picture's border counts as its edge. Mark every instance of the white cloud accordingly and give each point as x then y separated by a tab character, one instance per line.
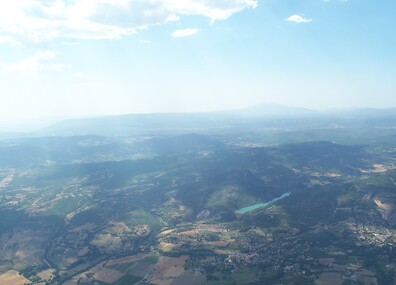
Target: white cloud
39	61
184	33
6	39
298	19
78	74
39	21
66	43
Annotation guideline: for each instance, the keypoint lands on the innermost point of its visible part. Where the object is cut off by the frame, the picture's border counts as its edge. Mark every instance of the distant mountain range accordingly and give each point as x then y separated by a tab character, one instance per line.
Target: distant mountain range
275	110
263	116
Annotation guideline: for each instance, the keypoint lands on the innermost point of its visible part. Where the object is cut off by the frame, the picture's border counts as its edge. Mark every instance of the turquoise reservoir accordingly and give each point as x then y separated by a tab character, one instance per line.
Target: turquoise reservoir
247	209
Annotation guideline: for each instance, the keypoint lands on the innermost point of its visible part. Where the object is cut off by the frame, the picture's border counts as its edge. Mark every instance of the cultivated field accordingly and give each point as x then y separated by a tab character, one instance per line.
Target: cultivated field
168	269
12	277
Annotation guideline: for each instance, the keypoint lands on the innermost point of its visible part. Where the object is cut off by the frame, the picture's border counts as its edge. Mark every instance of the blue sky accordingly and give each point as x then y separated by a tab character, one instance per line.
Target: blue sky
99	57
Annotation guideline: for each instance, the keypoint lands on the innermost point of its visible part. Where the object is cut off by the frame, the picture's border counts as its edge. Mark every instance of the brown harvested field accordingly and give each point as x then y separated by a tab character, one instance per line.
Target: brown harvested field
105	275
128	259
70	260
189	233
370	281
141	269
173	271
326	261
383	206
164	233
102	273
162	281
83	251
166	247
46	274
71	282
354	266
108	275
339	268
201	228
12	277
366	272
168	269
212	229
329	278
221	251
191	278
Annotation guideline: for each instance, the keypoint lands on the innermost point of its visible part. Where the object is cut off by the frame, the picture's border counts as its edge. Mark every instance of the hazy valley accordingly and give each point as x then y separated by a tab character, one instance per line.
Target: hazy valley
218	198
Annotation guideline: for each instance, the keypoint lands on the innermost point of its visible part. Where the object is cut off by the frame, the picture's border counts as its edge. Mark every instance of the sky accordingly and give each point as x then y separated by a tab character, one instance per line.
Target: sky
78	58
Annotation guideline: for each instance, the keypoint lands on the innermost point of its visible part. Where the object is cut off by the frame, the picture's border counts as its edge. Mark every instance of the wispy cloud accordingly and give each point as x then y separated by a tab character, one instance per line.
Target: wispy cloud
298	19
78	74
40	61
103	19
70	43
184	33
6	39
145	42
